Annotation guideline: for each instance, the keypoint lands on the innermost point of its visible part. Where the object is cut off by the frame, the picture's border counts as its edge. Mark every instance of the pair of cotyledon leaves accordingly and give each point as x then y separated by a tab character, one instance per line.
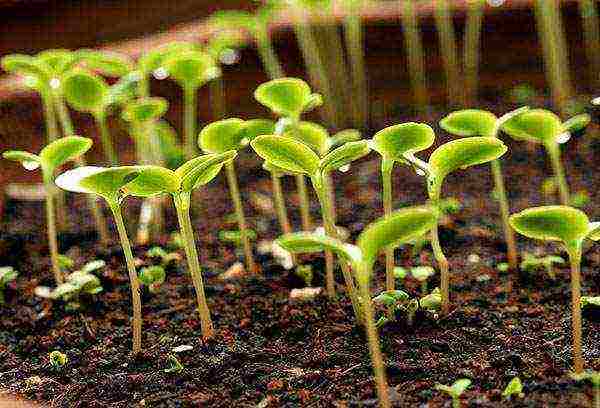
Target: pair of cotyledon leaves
287	97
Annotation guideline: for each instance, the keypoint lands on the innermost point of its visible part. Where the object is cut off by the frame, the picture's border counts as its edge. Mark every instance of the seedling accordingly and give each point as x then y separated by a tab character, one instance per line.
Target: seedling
152	63
398	300
305	273
7	275
174	365
77	283
531	263
57	360
422	274
153	277
513	388
571	227
590	302
401	226
455	390
449	157
296	157
48	160
155	180
449	51
165	257
109	184
108	63
594	378
475	122
393	143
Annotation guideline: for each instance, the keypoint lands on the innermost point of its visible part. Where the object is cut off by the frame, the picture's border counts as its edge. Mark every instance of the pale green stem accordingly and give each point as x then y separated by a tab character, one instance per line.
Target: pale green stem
588	10
354	43
51	229
182	205
329	186
217	98
133	278
304	203
574	251
438	253
267	53
241	218
189	119
386	178
415	54
553	150
455	402
509	235
280	208
107	145
449	51
472	49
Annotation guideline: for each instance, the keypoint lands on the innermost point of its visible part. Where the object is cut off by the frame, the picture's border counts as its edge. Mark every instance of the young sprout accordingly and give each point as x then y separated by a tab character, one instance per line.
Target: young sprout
305	273
397	228
455	390
174	365
153	277
422	273
77	283
472	49
165	257
48	160
296	157
392	300
392	143
530	263
594	378
7	275
476	122
571	227
109	184
449	157
590	302
57	359
191	70
156	180
542	126
514	387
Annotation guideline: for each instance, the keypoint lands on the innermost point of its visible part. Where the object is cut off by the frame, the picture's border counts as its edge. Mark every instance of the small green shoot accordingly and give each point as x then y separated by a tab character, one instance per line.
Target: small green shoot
7	275
57	360
305	272
531	263
590	302
174	365
165	257
455	390
153	276
513	388
77	283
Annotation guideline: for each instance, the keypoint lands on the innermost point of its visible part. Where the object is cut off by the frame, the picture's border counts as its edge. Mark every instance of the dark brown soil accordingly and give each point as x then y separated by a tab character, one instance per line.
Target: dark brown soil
271	352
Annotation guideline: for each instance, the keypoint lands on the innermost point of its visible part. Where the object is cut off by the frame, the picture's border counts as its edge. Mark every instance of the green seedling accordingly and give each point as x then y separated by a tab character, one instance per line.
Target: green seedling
76	284
153	277
392	143
455	390
152	64
57	360
109	184
594	378
472	48
400	273
399	227
107	63
156	180
422	274
590	302
571	227
305	272
49	160
449	157
191	70
476	122
165	257
398	300
296	157
449	51
7	275
174	365
531	263
513	388
542	126
65	262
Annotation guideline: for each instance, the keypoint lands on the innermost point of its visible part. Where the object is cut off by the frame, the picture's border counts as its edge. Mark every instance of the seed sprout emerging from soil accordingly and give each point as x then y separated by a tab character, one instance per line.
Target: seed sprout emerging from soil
393	143
7	275
57	360
153	276
571	227
455	390
77	283
513	388
398	300
475	122
155	180
531	263
399	227
594	378
49	160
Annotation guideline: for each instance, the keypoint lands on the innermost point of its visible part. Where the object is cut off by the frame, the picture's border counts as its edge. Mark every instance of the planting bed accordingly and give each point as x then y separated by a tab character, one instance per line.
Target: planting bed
271	351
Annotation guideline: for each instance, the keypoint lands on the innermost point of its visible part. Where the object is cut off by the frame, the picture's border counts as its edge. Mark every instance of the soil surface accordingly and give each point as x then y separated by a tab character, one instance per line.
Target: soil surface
273	352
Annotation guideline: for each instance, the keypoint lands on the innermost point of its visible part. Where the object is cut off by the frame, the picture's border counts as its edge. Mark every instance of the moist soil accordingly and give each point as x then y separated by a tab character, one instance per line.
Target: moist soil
270	351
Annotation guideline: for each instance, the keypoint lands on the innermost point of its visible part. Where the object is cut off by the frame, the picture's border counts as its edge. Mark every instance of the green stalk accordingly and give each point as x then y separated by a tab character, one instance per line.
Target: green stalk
182	205
509	235
267	52
51	228
109	150
280	209
574	251
241	218
386	177
217	98
472	49
304	203
189	106
449	51
415	54
588	10
133	278
455	402
559	173
438	253
354	43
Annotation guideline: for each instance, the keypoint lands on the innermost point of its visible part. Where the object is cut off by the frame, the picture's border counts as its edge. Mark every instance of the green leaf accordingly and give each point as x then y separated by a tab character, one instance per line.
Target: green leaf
85	92
7	274
202	169
192	69
395	141
344	136
152	275
399	227
432	301
391	297
258	127
311	134
514	387
577	123
285	96
57	61
28	160
152	181
461	386
344	155
463	153
107	63
125	89
145	109
222	136
555	222
24	65
286	153
536	125
303	242
62	150
278	171
470	122
103	181
154	59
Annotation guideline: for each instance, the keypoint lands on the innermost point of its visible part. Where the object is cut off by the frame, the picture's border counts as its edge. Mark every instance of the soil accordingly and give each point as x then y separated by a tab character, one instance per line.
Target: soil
272	352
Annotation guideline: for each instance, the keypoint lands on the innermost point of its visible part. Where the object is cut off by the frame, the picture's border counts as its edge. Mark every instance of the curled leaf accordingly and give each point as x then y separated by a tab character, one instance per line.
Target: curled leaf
62	150
202	169
311	134
191	69
28	160
153	180
106	182
535	125
86	92
286	96
145	109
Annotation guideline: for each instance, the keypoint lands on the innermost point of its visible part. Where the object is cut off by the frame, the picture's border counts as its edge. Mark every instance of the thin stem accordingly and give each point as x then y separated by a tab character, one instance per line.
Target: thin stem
217	98
471	49
386	178
267	52
354	43
449	51
241	218
304	202
107	144
444	269
415	54
575	258
182	205
51	228
189	119
509	235
280	207
559	173
133	278
588	10
455	402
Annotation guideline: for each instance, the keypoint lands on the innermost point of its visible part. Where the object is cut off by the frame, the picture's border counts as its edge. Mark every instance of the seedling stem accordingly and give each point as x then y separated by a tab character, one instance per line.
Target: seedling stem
574	251
386	176
51	220
189	106
559	173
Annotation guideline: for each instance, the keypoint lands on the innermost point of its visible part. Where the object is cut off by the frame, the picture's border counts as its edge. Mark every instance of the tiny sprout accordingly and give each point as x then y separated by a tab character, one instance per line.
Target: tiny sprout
305	272
394	300
77	283
7	275
287	97
432	301
530	263
570	226
164	256
49	159
594	378
57	359
590	302
422	274
153	277
65	262
174	365
514	387
455	390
